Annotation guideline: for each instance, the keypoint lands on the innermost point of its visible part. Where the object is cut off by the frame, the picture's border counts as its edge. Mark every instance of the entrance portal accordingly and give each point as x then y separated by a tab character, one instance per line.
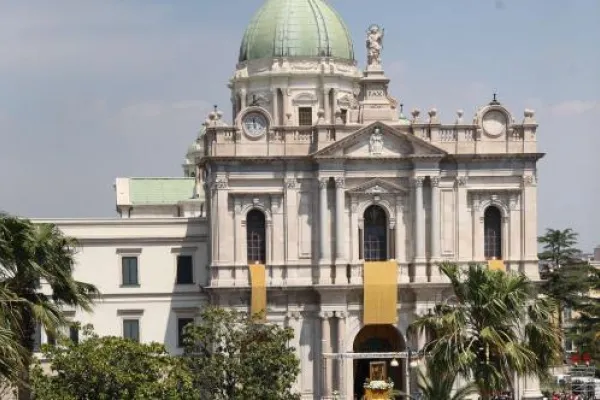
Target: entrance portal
378	339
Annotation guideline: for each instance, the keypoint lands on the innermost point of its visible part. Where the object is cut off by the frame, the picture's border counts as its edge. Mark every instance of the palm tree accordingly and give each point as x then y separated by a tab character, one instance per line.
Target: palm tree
30	254
438	384
11	352
494	326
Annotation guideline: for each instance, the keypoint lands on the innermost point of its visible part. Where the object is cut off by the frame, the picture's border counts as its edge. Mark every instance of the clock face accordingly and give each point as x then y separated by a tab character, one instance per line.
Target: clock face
494	123
255	124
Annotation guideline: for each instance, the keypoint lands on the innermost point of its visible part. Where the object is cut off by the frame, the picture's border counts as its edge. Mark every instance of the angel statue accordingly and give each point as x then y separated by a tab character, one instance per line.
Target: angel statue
374	45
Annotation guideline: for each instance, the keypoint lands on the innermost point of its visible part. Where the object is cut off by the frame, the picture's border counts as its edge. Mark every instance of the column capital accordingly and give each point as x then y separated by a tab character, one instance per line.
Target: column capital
221	183
435	181
325	315
340	182
291	183
341	314
323	183
295	315
529	180
462	180
417	181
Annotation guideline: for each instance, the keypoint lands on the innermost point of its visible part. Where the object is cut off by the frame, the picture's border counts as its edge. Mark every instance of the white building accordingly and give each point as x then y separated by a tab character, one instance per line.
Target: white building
324	191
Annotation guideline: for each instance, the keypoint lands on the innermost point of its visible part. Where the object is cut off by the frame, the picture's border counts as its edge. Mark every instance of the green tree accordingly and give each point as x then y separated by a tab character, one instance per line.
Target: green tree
106	368
559	246
568	279
234	356
585	331
494	326
30	254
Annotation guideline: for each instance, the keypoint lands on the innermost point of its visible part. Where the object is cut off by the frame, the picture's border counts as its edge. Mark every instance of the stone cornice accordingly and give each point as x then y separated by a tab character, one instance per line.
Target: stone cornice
139	240
494	156
107	222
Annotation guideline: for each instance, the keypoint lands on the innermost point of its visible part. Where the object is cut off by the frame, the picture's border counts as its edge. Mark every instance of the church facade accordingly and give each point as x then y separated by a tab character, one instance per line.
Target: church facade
321	203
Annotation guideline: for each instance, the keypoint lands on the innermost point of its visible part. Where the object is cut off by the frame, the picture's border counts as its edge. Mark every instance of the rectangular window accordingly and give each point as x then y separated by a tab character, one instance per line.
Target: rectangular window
129	265
131	329
181	324
185	270
305	116
568	345
74	334
344	115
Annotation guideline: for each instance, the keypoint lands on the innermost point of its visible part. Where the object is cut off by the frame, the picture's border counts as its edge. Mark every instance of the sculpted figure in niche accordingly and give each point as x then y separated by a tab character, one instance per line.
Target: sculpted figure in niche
376	142
374	45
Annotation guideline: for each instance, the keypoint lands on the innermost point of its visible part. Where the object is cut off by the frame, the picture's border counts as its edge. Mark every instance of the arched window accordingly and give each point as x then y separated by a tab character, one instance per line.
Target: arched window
375	236
256	237
492	232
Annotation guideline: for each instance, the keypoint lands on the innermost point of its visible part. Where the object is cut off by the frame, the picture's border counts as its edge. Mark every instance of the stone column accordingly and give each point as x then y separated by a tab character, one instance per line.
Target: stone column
341	233
341	348
293	322
239	234
326	348
435	218
324	236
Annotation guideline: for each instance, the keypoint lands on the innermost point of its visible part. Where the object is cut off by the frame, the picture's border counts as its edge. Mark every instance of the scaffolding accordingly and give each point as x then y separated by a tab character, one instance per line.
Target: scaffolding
582	380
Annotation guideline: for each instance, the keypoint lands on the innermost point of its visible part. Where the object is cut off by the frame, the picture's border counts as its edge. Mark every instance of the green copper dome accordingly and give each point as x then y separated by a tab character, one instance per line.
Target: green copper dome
296	28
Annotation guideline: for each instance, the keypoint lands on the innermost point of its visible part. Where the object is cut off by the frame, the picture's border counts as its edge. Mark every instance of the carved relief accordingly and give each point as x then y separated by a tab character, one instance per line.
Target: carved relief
305	66
260	99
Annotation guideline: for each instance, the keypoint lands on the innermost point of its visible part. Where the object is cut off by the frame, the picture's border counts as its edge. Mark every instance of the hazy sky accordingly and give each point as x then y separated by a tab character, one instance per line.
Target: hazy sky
91	90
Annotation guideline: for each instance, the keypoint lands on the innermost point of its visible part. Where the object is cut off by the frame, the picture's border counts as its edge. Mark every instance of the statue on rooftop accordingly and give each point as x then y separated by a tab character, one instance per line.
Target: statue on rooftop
374	45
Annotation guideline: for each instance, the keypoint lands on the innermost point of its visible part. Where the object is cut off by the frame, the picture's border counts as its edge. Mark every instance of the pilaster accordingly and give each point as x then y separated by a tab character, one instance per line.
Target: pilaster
464	226
293	322
435	218
327	375
341	233
224	237
324	229
419	229
291	219
277	239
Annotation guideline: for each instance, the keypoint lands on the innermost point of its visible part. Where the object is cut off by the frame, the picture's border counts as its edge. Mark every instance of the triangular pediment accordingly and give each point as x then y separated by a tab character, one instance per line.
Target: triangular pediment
378	186
379	141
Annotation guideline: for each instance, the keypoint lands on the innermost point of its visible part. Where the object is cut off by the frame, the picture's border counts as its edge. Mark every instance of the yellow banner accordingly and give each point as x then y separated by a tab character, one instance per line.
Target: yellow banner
258	298
496	265
380	292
